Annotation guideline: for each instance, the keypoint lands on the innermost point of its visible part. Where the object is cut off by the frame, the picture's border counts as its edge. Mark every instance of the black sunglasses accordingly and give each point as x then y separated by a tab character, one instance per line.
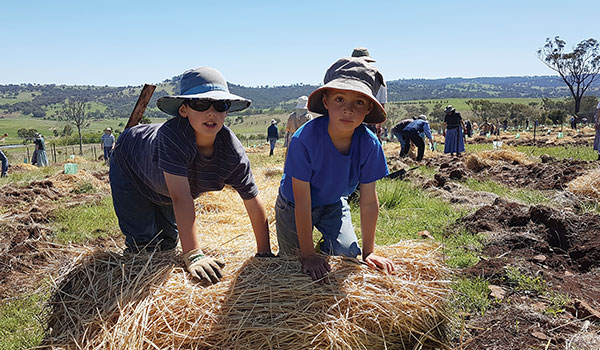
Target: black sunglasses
203	105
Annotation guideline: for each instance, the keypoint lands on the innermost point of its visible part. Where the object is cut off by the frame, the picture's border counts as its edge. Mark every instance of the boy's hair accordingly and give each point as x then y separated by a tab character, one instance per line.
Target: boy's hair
351	74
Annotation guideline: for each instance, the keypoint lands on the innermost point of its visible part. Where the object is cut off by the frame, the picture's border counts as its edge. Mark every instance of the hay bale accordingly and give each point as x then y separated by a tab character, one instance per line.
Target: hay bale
475	163
507	155
587	185
109	301
140	302
22	167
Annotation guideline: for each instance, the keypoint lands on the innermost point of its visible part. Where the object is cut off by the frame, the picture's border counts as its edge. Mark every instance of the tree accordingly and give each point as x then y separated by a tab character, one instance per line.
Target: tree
74	111
578	69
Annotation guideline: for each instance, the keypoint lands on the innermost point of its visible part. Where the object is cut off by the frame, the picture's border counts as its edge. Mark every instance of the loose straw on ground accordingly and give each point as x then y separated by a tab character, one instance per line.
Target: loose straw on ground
110	301
587	185
485	159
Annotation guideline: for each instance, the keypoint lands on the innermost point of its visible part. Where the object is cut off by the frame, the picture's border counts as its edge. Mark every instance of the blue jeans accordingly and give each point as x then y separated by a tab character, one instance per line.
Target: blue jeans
332	220
144	223
4	161
107	153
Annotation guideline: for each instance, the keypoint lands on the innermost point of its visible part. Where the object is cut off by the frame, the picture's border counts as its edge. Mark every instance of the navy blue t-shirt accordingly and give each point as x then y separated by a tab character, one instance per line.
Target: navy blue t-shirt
313	158
143	152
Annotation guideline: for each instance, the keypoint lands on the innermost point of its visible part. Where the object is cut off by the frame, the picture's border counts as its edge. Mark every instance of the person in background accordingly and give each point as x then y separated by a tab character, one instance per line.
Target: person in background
468	128
504	125
397	132
453	132
107	142
40	149
412	132
597	127
328	158
3	159
272	135
573	122
157	170
296	119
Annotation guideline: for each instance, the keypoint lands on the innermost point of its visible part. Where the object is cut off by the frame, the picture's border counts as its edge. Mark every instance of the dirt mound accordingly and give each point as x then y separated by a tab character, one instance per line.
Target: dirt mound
549	174
571	241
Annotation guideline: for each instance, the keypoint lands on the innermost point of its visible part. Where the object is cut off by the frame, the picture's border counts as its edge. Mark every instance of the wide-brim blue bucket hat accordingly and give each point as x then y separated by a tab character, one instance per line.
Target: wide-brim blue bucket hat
202	83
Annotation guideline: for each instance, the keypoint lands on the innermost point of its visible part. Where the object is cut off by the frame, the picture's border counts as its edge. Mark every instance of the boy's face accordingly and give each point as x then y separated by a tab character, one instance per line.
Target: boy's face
347	109
207	123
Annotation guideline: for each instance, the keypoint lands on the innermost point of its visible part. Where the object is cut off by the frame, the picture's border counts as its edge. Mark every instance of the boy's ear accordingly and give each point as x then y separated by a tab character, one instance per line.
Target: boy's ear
183	110
324	99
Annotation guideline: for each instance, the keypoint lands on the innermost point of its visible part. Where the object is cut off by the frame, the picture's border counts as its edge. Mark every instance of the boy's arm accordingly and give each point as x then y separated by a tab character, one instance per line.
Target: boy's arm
260	225
312	264
369	211
199	265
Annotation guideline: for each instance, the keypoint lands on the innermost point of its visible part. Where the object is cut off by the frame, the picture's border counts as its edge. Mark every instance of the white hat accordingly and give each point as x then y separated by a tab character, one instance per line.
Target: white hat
302	102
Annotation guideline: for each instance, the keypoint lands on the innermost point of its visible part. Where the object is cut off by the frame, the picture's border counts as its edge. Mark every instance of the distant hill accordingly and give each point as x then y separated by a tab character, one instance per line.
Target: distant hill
44	101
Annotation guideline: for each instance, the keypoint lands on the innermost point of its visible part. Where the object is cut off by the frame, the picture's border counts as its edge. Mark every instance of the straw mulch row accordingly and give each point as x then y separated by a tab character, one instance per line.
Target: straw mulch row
106	300
587	185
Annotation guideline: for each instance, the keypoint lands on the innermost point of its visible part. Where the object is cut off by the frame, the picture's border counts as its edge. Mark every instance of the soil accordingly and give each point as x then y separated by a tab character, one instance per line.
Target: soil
26	256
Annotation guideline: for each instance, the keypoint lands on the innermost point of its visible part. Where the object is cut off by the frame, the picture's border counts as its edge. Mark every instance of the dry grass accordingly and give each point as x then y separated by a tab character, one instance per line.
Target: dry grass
109	301
587	185
480	160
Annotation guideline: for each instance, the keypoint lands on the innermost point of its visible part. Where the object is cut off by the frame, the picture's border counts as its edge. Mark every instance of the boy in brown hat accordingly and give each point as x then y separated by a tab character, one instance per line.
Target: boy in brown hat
327	158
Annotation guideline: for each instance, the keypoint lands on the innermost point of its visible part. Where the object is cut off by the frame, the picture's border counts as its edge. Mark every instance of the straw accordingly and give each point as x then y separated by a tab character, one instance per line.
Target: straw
587	185
105	300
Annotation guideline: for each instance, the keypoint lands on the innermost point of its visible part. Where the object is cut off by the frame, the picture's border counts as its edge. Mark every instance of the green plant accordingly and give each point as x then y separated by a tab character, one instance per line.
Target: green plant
557	305
524	282
470	295
84	187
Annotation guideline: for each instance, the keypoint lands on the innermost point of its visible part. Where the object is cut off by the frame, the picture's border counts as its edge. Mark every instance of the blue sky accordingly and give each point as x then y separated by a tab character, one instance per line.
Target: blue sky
279	42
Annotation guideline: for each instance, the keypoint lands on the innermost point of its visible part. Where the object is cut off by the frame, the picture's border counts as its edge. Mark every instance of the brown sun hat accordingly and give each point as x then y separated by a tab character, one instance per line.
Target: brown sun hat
351	74
362	52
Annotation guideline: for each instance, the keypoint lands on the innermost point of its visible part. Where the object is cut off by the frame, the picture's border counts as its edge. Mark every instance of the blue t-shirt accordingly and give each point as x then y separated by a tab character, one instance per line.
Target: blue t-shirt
313	158
144	151
420	126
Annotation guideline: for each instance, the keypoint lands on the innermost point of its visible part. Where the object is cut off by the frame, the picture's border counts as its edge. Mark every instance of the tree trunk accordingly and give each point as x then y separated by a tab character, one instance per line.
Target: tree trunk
577	104
80	141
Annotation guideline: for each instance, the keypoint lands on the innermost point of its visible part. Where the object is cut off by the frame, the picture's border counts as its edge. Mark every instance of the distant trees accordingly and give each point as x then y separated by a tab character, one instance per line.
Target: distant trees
26	134
74	111
578	69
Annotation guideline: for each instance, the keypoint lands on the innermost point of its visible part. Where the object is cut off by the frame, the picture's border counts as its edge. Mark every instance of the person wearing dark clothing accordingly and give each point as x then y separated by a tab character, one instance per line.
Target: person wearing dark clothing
412	132
469	128
272	135
454	126
397	132
4	162
505	124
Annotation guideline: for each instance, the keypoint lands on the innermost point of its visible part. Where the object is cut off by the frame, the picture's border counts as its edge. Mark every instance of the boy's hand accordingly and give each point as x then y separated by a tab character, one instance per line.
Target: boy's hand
203	267
315	266
379	262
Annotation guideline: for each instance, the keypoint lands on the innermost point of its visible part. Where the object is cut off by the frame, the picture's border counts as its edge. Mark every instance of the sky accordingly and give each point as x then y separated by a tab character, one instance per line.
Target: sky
257	43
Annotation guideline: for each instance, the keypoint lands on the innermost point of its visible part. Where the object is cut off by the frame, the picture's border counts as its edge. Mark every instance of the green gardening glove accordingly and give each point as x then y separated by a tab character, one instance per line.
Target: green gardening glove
203	267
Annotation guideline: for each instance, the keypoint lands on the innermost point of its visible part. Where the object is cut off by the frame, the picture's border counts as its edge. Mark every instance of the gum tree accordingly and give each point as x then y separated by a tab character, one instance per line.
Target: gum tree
75	112
578	69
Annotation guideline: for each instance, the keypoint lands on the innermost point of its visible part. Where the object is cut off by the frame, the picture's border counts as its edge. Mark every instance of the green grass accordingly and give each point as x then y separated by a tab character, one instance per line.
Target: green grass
85	222
524	195
560	152
20	324
406	210
462	249
470	295
28	176
525	283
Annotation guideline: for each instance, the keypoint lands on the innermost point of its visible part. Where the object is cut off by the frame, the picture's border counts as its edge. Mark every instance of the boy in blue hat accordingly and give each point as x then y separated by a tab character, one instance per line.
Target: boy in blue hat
157	170
327	158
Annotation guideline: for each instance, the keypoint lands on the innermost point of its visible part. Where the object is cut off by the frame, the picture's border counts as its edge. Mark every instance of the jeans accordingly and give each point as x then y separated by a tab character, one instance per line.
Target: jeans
272	141
332	220
417	140
4	161
107	154
144	223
